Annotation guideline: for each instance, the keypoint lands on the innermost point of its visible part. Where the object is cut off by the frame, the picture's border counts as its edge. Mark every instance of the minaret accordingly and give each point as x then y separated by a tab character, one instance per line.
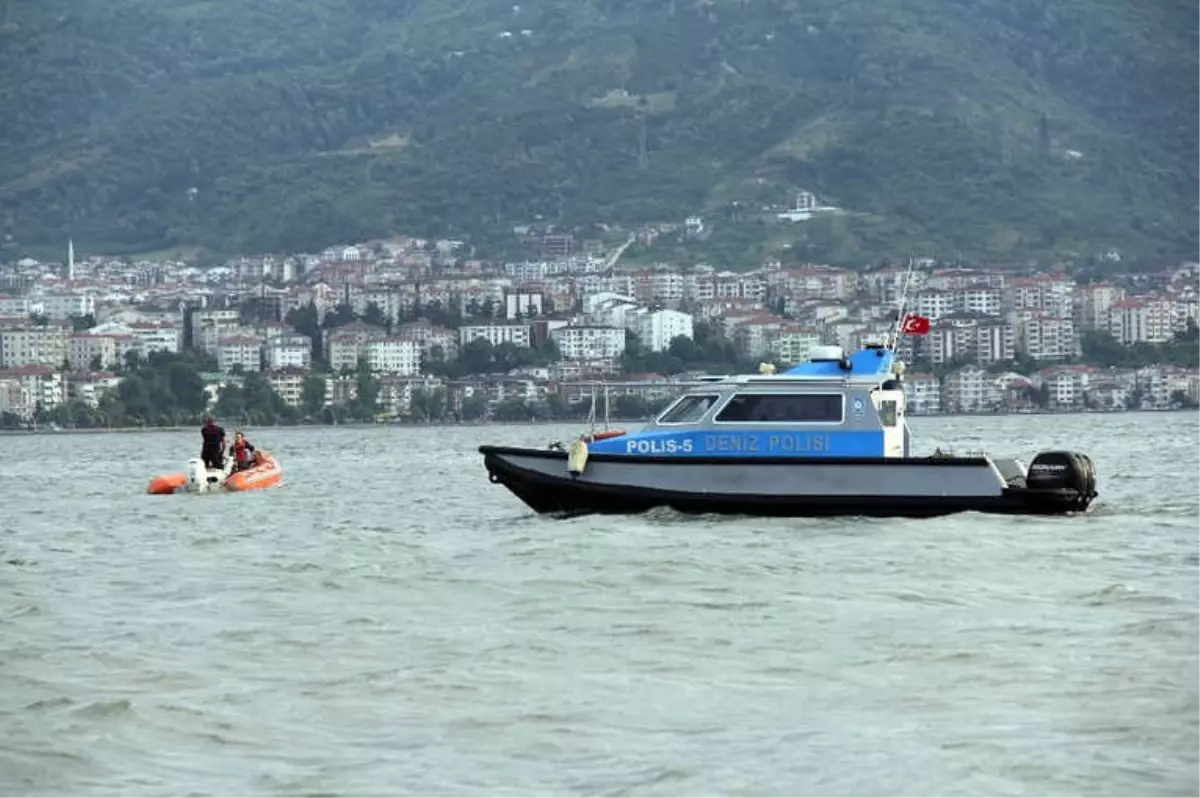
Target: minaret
71	260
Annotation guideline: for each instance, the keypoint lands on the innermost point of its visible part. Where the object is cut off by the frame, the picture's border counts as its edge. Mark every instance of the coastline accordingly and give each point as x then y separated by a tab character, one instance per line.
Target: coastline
444	424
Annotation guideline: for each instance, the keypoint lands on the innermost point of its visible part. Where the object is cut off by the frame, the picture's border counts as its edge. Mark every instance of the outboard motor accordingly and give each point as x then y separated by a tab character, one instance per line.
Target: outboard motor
1063	472
197	475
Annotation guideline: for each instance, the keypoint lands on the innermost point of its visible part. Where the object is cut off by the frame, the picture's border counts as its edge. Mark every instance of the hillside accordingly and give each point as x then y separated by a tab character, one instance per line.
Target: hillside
998	129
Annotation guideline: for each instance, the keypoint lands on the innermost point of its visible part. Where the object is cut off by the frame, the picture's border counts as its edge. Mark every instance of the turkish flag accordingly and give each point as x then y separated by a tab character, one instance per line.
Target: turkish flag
915	325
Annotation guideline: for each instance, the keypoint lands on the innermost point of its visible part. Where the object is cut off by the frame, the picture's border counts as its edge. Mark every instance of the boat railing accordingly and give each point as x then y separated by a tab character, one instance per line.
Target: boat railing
950	452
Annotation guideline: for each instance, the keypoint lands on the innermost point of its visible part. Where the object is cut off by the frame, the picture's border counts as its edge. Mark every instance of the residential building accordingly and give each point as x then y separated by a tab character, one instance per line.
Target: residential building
90	387
91	352
495	334
657	328
430	336
1141	319
1093	303
345	345
923	393
288	352
288	382
239	351
967	390
791	343
522	304
210	326
394	356
29	388
1047	337
589	343
33	346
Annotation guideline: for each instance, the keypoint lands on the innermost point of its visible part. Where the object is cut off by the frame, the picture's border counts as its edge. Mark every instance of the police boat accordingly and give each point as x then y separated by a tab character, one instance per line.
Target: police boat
827	437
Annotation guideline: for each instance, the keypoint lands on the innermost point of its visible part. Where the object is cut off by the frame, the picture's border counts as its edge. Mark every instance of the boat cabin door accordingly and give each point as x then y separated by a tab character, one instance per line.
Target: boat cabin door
890	406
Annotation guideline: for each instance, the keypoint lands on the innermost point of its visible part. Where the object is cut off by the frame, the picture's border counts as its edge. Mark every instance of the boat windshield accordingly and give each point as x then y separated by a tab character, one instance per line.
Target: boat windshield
793	408
688	410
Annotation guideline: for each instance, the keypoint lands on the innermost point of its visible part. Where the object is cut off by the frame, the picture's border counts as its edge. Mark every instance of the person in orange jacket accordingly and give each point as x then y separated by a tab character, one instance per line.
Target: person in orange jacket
242	452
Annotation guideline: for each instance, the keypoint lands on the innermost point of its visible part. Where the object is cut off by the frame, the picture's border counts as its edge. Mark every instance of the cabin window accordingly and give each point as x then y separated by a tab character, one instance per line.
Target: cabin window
688	410
812	408
887	412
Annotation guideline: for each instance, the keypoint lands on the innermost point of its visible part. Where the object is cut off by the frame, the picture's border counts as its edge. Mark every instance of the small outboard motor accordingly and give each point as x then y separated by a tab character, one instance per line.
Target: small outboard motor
197	475
1063	472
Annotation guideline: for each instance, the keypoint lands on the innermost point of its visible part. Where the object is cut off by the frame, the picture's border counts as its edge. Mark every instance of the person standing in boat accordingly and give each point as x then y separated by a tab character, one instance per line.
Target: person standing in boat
242	452
213	450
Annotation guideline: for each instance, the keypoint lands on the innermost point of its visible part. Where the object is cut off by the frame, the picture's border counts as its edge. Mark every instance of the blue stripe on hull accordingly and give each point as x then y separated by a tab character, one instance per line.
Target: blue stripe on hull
746	443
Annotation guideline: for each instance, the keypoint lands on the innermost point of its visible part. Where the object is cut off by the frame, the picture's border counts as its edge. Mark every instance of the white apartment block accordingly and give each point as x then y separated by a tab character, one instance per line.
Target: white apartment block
239	350
496	334
935	304
89	389
84	350
152	337
791	344
62	306
969	389
394	356
288	352
1146	319
1093	304
15	306
1053	296
289	384
345	345
55	307
33	346
657	328
923	393
981	300
28	387
589	343
995	342
210	326
1046	337
143	337
428	336
522	303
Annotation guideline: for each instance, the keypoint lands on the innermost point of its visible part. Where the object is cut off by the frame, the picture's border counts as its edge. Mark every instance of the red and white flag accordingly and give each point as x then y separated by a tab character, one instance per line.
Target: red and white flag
914	324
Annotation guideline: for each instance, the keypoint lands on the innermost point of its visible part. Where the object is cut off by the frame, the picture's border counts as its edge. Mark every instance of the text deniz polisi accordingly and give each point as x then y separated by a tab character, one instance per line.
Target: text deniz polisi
765	443
770	443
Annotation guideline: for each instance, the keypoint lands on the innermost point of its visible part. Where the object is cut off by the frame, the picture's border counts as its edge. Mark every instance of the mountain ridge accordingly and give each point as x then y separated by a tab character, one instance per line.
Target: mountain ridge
1000	130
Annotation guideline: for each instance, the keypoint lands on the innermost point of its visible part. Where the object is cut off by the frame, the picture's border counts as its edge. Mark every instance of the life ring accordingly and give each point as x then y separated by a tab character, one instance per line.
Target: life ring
603	436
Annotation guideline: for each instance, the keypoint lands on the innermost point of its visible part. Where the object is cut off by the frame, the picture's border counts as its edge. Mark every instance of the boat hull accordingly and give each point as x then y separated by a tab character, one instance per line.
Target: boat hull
792	487
267	474
198	479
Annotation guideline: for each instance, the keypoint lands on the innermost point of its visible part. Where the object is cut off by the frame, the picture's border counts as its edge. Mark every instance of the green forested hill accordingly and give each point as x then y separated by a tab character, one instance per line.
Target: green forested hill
1000	129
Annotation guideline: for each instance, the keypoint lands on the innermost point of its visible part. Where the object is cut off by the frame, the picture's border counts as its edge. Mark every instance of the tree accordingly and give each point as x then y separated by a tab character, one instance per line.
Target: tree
82	323
367	398
312	395
374	316
304	320
629	406
428	404
473	407
340	316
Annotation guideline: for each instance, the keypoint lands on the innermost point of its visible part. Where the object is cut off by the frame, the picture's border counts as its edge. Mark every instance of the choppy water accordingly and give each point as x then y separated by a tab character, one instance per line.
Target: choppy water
390	623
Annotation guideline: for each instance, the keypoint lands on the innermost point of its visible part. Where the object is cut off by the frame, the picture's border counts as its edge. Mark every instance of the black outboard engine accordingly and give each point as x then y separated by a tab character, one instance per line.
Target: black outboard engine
1066	473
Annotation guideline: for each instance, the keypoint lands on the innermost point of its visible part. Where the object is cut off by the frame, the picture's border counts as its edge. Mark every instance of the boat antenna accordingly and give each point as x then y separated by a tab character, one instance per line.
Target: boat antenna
901	305
592	412
606	407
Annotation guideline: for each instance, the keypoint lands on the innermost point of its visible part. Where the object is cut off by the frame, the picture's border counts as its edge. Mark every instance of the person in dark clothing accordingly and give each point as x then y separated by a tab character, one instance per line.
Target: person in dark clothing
213	451
242	452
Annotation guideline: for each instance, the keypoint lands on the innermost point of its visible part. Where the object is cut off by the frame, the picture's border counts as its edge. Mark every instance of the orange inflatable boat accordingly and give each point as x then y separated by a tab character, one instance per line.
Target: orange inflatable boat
265	473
